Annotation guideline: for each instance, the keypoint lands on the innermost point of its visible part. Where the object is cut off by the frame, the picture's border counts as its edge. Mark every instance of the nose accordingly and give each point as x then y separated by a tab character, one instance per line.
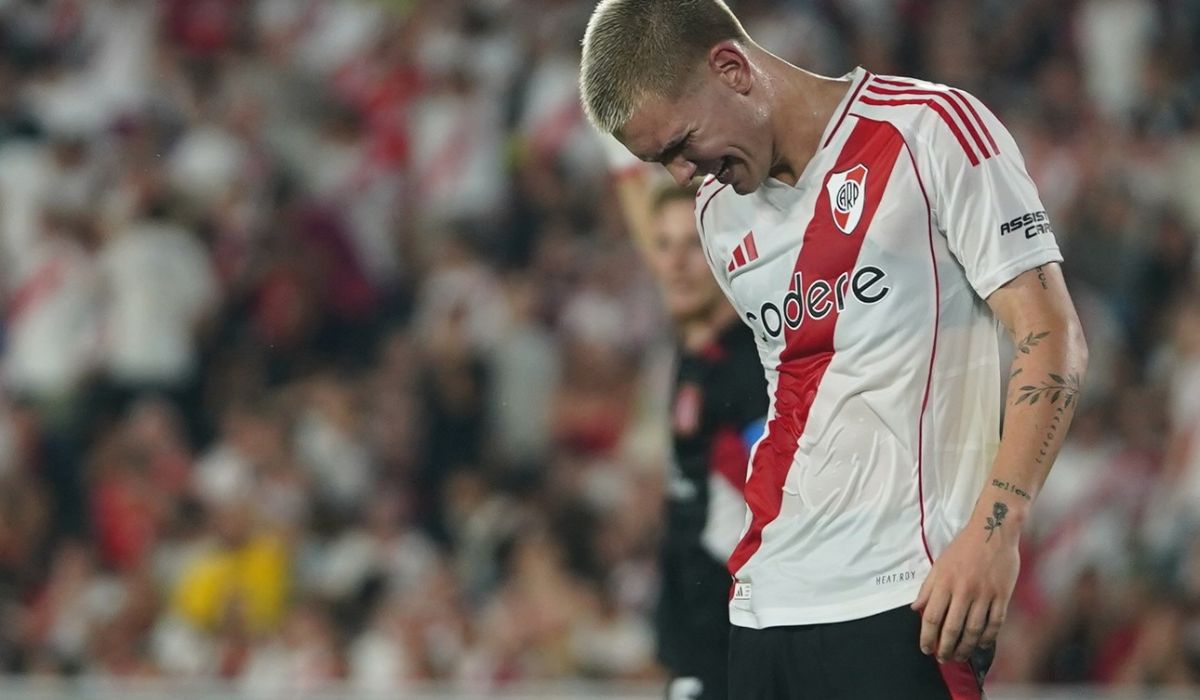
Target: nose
682	169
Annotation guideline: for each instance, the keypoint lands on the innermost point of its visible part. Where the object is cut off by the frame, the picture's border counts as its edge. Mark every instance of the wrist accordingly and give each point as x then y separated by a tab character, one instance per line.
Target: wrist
1018	500
1000	517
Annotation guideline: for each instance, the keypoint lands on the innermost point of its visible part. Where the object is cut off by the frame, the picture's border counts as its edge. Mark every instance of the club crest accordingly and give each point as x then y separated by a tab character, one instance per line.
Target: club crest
847	193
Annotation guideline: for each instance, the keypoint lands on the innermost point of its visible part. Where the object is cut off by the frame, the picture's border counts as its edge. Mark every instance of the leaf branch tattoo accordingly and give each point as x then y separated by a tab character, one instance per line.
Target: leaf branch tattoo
1058	388
1030	341
1060	392
999	512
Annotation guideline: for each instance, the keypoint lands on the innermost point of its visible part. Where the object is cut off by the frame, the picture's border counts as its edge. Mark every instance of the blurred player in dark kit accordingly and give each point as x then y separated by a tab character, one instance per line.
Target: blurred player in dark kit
719	400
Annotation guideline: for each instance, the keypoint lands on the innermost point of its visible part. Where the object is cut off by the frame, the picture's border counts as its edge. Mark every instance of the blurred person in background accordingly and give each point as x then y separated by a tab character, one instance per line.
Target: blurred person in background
53	317
53	349
302	657
242	575
138	478
718	406
160	289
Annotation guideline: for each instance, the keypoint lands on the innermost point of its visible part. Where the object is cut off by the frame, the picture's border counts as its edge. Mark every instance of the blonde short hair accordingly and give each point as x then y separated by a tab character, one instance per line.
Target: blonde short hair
638	48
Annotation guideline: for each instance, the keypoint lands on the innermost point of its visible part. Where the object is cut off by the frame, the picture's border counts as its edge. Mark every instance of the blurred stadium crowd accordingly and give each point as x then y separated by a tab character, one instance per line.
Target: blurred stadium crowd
325	355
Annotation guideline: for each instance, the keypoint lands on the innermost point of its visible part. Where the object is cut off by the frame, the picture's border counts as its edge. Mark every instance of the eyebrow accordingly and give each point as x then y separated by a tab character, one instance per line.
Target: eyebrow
671	146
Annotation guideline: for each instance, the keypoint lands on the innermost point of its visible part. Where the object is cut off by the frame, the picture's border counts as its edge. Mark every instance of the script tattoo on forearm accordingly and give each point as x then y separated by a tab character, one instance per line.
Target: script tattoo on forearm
1012	488
1042	278
1060	392
996	519
1031	340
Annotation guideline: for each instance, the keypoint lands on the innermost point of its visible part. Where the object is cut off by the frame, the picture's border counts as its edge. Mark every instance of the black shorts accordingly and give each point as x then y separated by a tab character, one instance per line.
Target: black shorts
693	624
877	657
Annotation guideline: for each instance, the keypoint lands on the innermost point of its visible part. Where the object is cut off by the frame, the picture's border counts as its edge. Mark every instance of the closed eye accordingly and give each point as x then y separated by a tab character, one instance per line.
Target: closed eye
675	148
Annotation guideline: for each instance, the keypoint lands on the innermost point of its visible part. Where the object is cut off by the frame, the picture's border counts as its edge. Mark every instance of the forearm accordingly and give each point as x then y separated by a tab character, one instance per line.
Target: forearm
632	188
964	600
1042	396
631	180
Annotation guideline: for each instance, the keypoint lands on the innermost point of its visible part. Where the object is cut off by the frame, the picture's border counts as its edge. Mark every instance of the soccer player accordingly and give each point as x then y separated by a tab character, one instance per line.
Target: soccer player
894	226
716	413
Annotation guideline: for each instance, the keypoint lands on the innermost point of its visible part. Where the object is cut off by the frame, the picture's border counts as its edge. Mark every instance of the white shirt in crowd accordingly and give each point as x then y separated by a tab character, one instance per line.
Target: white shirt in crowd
158	284
52	320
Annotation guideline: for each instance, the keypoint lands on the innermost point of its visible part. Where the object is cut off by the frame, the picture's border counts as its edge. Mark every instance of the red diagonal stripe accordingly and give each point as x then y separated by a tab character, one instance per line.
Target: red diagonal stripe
982	124
739	258
962	98
751	249
824	254
960	681
966	146
41	283
728	457
934	94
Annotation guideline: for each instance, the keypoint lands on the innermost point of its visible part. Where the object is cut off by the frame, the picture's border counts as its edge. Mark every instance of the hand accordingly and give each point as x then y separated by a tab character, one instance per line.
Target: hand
964	600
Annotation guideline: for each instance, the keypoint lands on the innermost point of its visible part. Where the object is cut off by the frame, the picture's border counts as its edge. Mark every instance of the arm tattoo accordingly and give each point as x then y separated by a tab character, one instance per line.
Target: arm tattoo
999	511
1060	392
1058	388
1031	340
1011	488
1042	277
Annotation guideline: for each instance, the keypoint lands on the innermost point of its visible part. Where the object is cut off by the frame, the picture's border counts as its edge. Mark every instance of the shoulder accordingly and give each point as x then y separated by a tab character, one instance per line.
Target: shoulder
930	114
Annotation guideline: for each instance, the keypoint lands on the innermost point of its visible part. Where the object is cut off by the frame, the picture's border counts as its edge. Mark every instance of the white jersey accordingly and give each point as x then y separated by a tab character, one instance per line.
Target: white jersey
865	286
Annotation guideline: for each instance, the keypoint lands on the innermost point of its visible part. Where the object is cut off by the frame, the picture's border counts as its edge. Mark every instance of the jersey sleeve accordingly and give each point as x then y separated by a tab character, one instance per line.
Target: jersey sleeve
983	200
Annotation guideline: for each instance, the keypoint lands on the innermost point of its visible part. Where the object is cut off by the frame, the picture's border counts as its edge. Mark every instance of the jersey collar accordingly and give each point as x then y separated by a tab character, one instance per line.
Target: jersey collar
774	188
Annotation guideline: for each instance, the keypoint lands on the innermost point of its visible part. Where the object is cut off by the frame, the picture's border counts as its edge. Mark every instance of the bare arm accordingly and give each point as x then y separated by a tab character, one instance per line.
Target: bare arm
1043	389
633	187
965	598
633	184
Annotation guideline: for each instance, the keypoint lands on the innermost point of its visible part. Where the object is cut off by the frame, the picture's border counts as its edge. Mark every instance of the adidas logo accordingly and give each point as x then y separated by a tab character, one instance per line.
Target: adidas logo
747	252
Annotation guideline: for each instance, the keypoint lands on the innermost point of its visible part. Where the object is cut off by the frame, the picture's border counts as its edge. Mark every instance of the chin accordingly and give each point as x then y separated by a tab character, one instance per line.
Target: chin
746	186
685	313
681	313
695	311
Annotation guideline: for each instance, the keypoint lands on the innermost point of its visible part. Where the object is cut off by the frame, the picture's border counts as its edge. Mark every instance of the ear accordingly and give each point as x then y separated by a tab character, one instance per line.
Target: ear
729	63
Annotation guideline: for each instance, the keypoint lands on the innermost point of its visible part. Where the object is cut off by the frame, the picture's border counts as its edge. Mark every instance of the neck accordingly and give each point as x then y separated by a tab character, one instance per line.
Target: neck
801	103
702	330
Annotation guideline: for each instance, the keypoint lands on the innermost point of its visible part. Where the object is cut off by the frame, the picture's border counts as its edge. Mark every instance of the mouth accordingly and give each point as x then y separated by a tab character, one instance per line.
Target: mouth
723	172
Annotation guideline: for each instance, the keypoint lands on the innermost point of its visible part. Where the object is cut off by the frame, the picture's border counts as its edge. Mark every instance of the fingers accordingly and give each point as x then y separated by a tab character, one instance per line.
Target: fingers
932	617
996	616
952	626
973	630
923	594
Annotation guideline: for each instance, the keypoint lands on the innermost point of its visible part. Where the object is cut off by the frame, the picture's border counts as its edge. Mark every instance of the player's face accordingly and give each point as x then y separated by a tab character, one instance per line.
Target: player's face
716	128
677	259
